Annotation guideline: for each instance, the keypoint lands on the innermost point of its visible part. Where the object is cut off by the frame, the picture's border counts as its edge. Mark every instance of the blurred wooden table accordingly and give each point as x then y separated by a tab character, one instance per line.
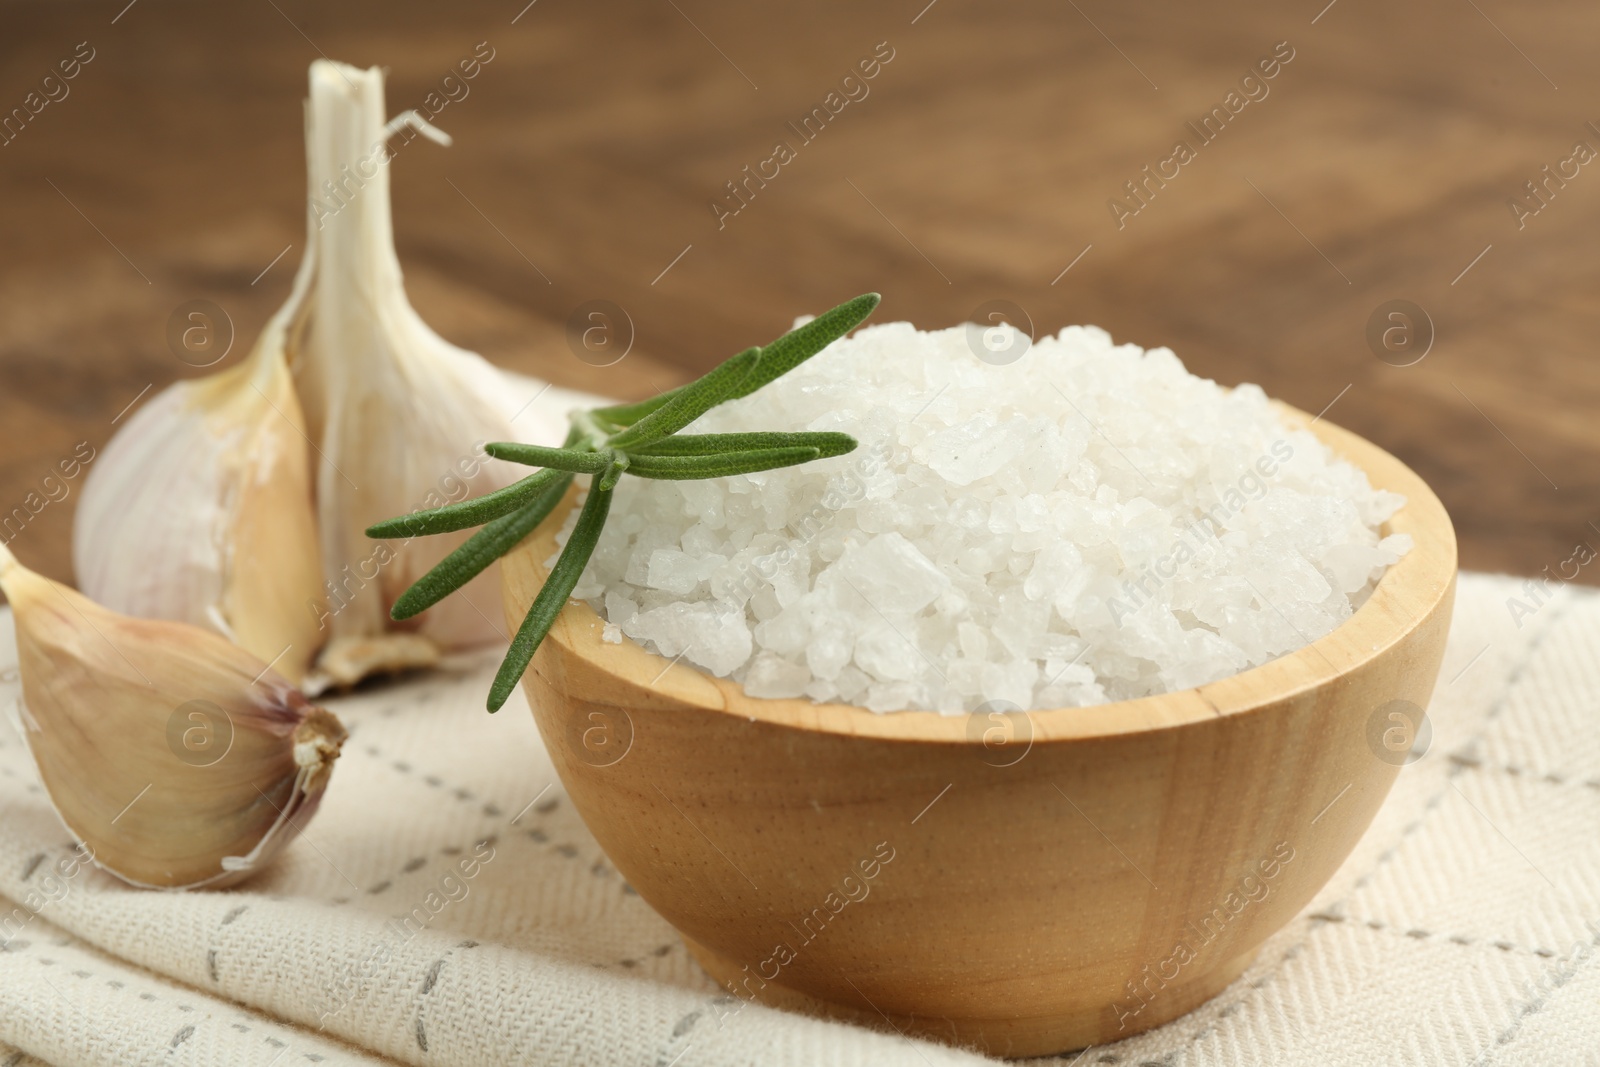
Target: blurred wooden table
979	166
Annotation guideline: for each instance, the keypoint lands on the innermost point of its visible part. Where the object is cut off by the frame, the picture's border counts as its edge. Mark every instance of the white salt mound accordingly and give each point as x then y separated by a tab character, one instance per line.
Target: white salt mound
1090	523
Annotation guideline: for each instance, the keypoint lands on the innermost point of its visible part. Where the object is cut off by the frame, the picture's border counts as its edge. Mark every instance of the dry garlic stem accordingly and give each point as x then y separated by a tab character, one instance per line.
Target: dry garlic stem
177	758
200	511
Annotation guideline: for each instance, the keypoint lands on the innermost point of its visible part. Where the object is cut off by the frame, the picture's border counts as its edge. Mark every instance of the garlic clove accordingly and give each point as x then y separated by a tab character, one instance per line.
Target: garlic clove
347	660
177	758
397	410
399	414
200	511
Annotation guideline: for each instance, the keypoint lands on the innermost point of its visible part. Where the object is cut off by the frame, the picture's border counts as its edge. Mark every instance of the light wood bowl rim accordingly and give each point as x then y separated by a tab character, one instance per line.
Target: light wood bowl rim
1404	598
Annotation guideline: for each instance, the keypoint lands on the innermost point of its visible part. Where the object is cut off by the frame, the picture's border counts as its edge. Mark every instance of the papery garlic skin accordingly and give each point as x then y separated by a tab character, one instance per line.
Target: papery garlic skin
112	704
200	510
397	412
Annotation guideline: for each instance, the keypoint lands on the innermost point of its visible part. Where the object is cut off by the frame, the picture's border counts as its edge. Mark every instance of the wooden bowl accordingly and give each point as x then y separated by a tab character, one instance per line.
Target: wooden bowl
1021	884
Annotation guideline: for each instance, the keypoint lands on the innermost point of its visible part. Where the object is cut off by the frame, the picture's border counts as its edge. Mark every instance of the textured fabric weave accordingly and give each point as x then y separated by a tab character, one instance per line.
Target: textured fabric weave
1464	929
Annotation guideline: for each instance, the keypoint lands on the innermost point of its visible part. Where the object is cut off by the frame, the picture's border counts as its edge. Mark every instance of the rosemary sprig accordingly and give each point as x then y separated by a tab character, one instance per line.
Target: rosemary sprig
605	443
478	551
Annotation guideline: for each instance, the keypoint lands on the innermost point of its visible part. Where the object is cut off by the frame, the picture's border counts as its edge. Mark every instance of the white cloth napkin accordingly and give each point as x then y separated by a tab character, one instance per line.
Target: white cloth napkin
1463	930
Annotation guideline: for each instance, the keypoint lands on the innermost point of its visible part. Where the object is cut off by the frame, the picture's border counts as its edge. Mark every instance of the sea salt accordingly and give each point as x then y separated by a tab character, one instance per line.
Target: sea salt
1090	523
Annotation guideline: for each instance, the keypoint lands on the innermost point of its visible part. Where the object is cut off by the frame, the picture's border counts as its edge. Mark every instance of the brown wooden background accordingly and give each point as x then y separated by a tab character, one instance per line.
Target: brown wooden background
978	167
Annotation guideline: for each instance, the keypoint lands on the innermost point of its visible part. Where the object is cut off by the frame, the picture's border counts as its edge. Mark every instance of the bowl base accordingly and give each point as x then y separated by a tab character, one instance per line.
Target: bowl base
1006	1037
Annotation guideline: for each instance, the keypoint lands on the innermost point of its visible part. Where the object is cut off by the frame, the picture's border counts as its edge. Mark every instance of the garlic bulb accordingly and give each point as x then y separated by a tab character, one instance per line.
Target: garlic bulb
177	758
398	413
209	508
200	511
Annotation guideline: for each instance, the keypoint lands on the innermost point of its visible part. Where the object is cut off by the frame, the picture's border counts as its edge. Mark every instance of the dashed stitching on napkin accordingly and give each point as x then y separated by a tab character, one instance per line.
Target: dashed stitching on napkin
211	953
489	809
1516	771
631	963
1512	679
183	1035
427	987
430	980
1536	1004
599	868
419	862
681	1027
432	977
1418	934
81	973
1499	705
411	867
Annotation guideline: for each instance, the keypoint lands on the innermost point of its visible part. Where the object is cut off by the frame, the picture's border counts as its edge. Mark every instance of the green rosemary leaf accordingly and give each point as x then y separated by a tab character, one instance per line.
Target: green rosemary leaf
481	549
552	596
800	344
704	444
561	459
683	468
624	415
720	383
465	513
